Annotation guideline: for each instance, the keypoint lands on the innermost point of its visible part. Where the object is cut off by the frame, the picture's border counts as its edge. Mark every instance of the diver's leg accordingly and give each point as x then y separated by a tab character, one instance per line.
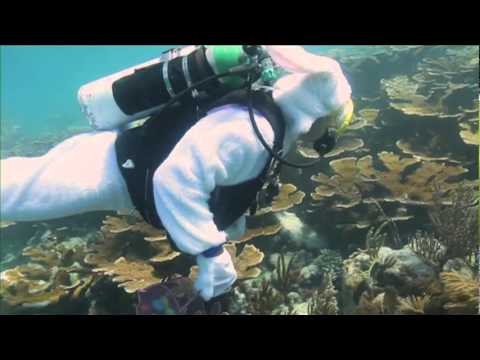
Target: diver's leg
76	176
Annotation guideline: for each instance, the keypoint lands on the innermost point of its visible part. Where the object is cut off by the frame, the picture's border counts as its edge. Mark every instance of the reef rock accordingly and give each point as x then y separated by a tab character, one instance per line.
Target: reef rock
311	275
406	271
328	261
300	309
460	266
356	279
294	297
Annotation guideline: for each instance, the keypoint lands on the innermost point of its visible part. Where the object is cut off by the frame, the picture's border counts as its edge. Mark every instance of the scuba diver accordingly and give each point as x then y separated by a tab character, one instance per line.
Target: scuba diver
219	122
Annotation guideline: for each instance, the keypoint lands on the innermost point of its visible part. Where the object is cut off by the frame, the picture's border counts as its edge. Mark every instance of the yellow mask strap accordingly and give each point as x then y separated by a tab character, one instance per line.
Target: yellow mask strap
345	116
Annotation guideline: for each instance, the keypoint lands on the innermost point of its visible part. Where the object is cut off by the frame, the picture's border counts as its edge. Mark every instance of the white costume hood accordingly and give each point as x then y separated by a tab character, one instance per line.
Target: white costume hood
316	87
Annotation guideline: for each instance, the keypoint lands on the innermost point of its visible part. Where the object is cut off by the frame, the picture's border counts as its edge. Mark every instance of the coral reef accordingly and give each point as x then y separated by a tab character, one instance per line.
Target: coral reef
245	263
461	293
131	275
403	180
403	270
456	225
344	184
106	249
403	186
52	271
66	267
391	226
356	276
415	185
131	238
264	301
459	266
374	303
427	247
369	70
410	148
367	117
256	232
405	97
413	305
345	144
6	223
459	66
290	284
417	279
469	135
324	300
306	151
327	262
287	197
425	104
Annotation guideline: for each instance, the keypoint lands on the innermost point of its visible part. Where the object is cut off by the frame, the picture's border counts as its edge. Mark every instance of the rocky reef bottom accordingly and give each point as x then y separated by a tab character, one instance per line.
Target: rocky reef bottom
68	270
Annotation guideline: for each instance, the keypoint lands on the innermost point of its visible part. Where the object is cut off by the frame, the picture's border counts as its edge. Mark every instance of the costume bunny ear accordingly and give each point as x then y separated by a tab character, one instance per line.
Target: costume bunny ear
315	87
296	59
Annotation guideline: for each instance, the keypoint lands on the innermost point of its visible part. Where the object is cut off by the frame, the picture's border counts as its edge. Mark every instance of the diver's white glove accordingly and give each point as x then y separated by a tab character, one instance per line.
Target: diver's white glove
215	275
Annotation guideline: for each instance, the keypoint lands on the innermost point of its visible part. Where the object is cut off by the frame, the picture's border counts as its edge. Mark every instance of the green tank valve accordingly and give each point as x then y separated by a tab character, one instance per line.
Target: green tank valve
269	75
269	72
224	57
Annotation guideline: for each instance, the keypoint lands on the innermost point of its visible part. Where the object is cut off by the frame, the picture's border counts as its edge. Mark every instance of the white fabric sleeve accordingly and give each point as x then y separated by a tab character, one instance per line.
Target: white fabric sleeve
221	149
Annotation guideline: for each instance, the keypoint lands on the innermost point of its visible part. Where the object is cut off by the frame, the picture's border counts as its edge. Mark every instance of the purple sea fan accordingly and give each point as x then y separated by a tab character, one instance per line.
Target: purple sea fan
175	296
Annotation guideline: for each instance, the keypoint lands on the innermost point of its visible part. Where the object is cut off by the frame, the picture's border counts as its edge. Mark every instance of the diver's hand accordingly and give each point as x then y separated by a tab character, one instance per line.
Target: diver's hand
215	275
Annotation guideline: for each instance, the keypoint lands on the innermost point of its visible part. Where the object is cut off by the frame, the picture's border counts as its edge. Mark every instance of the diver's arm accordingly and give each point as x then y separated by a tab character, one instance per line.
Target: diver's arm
215	152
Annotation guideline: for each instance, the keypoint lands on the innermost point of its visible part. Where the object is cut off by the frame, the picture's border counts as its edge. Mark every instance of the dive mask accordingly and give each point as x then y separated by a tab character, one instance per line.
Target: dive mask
343	118
326	143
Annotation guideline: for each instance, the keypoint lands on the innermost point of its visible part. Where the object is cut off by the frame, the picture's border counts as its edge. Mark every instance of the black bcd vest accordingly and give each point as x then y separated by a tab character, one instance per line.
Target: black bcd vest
147	146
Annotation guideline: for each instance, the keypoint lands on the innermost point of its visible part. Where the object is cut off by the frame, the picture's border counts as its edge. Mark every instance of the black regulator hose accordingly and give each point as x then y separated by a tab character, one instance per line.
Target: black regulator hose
277	155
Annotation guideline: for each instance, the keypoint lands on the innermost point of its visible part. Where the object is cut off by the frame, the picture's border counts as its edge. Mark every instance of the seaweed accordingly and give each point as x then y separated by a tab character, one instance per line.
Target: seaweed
286	277
426	246
456	225
413	305
375	239
377	303
324	300
380	265
461	293
264	300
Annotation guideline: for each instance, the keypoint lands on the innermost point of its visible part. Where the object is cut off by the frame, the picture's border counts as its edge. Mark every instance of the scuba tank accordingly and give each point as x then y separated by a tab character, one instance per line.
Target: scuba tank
192	75
142	90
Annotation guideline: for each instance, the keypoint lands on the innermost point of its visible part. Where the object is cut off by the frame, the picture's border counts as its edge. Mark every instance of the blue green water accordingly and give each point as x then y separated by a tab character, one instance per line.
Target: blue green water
39	84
